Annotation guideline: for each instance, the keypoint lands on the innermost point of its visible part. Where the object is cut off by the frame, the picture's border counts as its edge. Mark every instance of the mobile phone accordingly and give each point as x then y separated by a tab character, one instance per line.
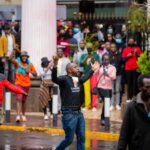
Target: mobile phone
92	60
132	51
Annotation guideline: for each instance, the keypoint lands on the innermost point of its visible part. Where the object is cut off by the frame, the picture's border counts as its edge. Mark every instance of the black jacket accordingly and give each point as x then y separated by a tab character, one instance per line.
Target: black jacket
71	97
135	131
116	61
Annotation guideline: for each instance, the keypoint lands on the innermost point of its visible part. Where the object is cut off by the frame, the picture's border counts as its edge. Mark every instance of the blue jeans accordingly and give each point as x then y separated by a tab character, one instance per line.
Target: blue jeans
73	122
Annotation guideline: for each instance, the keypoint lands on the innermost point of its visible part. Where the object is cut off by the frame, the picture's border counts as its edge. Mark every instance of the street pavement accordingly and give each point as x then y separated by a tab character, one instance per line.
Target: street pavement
38	140
12	140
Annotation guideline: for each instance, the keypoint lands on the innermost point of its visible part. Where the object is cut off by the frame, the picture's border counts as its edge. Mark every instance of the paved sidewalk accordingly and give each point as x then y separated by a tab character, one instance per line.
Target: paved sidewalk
36	123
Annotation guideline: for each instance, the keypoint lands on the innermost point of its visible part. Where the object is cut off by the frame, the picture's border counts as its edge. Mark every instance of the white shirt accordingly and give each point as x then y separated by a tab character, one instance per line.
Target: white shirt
10	45
100	36
61	67
45	75
77	56
79	36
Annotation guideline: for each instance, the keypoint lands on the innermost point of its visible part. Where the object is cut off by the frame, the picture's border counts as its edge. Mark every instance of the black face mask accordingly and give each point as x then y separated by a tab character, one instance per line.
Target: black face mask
89	50
105	62
131	44
70	36
82	48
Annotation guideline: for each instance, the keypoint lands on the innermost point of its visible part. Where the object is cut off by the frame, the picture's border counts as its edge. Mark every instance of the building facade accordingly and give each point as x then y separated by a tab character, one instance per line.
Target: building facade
70	9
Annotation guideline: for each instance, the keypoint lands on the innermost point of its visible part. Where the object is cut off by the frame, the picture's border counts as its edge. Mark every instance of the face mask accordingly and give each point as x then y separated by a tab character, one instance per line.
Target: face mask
70	36
131	44
148	115
89	50
105	62
76	30
110	30
118	41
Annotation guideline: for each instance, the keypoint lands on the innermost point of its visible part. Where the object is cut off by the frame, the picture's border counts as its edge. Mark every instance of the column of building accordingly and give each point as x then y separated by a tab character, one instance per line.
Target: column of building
39	29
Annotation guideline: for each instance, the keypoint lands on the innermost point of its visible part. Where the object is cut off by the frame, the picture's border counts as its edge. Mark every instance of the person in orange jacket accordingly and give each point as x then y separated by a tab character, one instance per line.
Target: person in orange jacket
24	68
5	83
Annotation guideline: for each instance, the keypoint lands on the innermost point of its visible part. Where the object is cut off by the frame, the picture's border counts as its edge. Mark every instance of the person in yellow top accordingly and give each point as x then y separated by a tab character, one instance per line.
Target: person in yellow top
1	54
7	45
23	69
1	47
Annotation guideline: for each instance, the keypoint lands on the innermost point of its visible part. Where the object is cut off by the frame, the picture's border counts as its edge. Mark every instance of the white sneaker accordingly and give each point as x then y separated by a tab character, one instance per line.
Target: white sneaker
24	119
84	109
111	108
45	117
51	116
118	107
17	118
128	101
94	109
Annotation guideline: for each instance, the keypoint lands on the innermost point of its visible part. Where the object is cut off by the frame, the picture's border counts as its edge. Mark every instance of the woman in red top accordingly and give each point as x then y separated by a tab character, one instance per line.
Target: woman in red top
130	55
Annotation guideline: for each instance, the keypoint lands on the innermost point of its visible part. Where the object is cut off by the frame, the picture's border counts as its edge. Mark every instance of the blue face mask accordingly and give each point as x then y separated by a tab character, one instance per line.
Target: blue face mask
76	30
110	30
148	115
118	41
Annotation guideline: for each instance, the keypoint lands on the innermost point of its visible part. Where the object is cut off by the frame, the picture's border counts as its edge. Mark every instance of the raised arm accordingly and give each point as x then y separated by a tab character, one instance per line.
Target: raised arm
32	70
13	88
95	67
50	65
13	59
112	74
55	79
86	76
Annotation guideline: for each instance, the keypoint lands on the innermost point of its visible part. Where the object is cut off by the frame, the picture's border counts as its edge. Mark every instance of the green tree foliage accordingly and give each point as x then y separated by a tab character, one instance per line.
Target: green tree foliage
144	63
137	18
91	42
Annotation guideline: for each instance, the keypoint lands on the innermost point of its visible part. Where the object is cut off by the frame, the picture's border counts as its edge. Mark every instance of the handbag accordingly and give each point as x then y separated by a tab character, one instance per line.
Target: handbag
95	89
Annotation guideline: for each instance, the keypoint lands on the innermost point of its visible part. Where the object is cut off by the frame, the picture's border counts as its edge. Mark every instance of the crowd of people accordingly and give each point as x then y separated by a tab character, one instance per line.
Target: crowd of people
114	49
82	45
90	64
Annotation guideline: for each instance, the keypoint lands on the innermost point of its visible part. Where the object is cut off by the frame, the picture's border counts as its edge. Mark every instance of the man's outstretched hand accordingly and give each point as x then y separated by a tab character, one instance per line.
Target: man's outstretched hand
95	66
55	60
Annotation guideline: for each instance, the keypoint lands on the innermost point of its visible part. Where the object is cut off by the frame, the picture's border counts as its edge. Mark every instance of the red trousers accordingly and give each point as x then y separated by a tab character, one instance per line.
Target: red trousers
93	83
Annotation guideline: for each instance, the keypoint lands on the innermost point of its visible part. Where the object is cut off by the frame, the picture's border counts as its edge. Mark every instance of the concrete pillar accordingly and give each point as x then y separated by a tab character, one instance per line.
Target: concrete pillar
39	29
7	106
107	113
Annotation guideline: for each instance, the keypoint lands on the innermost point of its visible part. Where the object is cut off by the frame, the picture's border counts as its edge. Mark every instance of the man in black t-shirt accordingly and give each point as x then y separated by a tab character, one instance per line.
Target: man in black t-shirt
70	92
